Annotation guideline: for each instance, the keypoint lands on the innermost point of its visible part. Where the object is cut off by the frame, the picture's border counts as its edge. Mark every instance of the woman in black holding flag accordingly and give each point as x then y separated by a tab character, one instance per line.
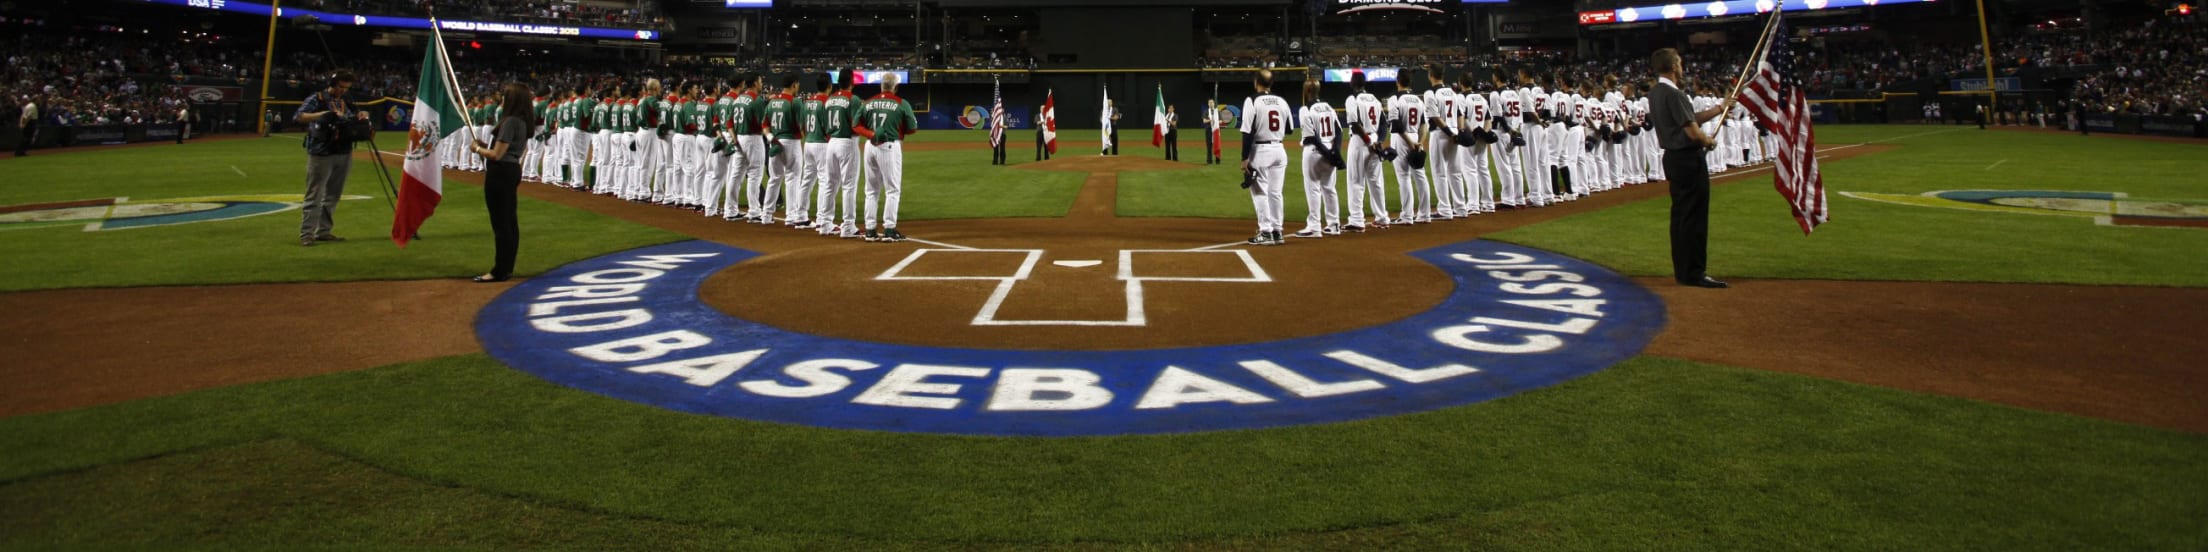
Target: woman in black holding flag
502	176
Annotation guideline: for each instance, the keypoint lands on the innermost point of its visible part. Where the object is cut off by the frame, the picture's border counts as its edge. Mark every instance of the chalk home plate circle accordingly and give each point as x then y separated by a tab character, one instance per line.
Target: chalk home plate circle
633	326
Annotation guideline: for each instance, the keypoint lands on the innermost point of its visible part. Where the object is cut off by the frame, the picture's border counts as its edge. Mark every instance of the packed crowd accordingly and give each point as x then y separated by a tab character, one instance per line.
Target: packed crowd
2148	70
77	84
643	14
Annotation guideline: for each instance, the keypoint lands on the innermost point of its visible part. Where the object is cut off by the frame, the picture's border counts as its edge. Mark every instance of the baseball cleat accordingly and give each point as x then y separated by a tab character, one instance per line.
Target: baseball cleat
1333	230
1309	233
1259	239
1356	228
872	237
891	235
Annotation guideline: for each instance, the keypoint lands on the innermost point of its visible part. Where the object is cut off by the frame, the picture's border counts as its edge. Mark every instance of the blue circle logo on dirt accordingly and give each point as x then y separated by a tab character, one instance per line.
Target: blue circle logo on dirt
630	326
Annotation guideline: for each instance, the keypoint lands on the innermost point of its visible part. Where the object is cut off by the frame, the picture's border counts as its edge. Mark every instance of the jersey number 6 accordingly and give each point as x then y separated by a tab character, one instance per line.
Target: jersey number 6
1272	121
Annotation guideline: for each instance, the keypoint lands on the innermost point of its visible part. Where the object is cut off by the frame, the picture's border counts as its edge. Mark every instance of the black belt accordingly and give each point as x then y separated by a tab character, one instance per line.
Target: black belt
1263	142
1688	149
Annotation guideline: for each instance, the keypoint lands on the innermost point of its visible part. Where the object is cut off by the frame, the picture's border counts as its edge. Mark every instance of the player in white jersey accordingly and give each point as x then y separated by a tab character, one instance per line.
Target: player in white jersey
1264	122
1322	131
1571	182
1559	139
1442	153
1407	130
1365	115
1536	127
1479	157
1509	151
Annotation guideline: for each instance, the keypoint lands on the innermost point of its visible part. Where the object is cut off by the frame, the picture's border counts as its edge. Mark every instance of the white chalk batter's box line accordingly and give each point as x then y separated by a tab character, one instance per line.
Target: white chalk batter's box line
1135	311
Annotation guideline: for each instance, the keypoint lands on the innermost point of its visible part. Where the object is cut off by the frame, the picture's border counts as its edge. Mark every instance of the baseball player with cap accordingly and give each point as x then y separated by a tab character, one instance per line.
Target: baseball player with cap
741	182
601	143
1479	155
813	199
1555	109
712	191
532	158
1443	155
838	114
1322	132
1366	141
1510	161
1407	125
1537	135
1264	123
682	150
885	120
785	156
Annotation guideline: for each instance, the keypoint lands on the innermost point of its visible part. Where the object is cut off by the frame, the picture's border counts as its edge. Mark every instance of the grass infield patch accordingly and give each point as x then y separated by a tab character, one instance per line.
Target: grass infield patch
1654	450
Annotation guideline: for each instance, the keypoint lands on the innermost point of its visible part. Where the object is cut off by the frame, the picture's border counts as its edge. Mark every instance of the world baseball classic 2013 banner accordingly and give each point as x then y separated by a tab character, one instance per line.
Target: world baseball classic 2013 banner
630	326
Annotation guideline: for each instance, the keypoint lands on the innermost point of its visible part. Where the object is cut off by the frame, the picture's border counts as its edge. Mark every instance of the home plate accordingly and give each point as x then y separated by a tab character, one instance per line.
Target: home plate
1078	264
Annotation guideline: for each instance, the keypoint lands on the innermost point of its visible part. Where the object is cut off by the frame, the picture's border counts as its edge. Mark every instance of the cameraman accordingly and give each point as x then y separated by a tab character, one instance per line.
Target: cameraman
329	156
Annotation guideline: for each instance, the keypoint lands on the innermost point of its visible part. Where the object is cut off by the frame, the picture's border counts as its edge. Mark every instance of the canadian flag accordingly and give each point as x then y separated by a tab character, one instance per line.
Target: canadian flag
1050	122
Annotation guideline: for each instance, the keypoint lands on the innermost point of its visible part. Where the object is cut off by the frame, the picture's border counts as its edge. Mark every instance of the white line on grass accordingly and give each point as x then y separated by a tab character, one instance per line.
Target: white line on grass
1996	164
938	244
241	174
1912	136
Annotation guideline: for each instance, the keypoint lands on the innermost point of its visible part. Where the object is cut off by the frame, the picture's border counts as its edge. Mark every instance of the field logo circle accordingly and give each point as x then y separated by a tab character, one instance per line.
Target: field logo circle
630	326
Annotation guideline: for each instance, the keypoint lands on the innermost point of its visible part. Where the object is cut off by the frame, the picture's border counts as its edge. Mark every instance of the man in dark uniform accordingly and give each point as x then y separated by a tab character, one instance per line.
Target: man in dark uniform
1211	131
1042	122
1679	133
1172	134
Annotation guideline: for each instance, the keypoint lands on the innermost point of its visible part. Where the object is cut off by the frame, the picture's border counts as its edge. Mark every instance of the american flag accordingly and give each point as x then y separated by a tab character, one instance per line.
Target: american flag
1775	96
996	118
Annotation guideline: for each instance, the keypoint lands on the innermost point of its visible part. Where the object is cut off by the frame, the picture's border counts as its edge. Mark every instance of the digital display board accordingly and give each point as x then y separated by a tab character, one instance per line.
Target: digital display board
1721	8
1372	74
1347	7
872	77
334	18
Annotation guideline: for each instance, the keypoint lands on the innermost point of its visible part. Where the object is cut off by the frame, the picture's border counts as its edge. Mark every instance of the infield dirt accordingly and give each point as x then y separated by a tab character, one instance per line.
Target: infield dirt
2023	345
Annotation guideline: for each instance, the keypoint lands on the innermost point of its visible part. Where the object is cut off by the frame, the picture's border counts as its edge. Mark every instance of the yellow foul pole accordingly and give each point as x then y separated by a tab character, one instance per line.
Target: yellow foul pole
1986	41
268	62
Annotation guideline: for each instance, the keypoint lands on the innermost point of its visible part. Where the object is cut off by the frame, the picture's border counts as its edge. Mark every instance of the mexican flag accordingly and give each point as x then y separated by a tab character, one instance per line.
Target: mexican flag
435	112
1157	120
1050	122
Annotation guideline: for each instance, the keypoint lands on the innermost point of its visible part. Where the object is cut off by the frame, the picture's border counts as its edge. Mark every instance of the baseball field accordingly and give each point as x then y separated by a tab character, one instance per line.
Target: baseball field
1995	344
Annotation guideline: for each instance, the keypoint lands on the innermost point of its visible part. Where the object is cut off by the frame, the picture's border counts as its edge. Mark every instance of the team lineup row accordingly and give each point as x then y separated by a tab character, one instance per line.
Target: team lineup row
1460	154
739	153
747	152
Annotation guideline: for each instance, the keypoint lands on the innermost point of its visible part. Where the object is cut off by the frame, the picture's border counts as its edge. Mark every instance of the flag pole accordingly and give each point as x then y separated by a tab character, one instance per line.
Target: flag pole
452	81
1755	57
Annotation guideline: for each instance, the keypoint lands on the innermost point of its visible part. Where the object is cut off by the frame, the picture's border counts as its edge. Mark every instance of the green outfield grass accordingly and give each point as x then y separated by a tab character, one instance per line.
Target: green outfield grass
456	242
1752	234
953	184
1655	452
